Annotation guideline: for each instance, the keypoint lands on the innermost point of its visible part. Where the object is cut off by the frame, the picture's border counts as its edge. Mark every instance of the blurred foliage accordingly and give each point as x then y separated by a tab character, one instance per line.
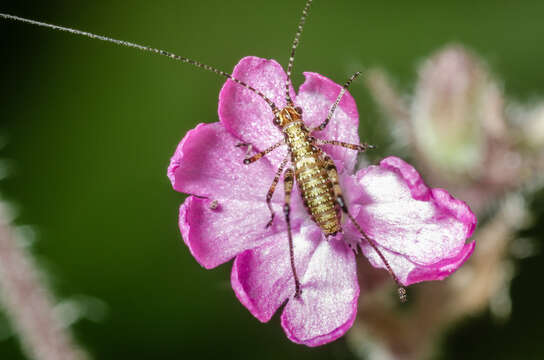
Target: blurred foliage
90	128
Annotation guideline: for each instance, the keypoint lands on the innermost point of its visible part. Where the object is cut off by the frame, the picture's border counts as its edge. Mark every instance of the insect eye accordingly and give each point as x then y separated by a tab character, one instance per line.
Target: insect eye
277	120
298	109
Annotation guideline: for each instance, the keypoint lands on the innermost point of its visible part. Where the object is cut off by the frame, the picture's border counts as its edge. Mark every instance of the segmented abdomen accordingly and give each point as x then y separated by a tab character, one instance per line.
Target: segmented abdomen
312	179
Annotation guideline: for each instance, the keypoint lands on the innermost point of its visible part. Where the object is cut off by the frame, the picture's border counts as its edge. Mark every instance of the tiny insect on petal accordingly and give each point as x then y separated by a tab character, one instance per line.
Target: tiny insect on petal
390	201
307	257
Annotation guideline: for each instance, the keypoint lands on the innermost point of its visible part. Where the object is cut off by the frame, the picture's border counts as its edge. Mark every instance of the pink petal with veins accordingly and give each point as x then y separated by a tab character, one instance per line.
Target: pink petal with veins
422	232
328	304
262	278
207	163
248	117
215	236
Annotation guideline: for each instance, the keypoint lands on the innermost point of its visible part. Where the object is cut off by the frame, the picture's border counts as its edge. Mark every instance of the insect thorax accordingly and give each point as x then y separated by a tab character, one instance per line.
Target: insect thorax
311	176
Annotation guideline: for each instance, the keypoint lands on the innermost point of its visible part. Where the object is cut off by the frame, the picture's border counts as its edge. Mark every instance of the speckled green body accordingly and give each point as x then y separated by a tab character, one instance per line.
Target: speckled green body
311	172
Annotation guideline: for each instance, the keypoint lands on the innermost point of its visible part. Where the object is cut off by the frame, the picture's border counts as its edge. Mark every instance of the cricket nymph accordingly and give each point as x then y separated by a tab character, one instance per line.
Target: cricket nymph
317	179
306	163
311	169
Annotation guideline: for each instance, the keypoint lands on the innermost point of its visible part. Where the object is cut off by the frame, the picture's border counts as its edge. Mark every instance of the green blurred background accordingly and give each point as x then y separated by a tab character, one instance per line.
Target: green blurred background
90	128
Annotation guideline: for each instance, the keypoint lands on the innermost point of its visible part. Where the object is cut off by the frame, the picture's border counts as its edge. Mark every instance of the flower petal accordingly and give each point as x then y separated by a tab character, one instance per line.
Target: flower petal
228	215
421	231
316	96
441	269
262	278
207	163
328	304
216	233
244	114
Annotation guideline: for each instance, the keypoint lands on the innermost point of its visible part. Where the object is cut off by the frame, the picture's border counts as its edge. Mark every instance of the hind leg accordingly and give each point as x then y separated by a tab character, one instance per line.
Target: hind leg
288	185
339	198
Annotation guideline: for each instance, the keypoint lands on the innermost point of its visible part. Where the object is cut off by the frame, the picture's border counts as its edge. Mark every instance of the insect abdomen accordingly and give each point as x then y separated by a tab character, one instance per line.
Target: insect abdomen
312	179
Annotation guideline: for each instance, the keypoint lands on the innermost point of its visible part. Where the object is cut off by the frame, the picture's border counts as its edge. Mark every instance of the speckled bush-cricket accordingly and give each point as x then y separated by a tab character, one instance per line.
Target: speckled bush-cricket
306	163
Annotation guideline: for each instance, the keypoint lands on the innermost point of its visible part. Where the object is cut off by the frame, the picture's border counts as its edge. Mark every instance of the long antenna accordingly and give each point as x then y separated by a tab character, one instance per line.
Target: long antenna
144	48
323	125
294	48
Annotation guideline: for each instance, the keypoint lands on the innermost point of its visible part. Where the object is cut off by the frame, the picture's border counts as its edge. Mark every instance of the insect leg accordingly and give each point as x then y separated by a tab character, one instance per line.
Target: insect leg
324	124
333	177
270	192
288	186
359	147
257	156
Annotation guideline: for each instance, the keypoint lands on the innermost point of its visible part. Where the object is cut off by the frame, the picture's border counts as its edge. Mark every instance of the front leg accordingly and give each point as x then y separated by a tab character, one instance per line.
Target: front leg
257	156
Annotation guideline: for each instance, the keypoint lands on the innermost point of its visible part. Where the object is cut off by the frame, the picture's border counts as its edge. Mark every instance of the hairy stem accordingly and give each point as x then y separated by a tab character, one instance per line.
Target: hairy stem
28	303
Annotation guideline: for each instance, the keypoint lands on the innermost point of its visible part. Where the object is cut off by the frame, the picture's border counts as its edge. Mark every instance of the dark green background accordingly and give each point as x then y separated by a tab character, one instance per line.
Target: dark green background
91	127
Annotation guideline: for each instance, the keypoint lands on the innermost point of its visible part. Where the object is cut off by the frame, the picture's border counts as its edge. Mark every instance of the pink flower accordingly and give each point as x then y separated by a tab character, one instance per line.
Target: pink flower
420	231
